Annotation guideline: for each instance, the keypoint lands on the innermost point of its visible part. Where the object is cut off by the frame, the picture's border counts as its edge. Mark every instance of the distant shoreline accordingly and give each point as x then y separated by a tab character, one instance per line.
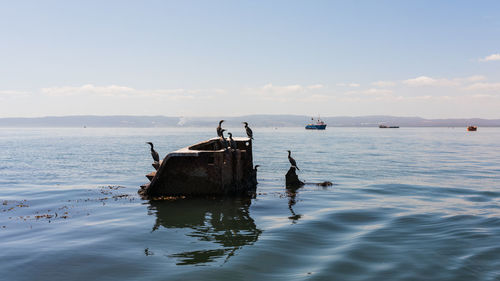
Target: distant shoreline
278	121
206	127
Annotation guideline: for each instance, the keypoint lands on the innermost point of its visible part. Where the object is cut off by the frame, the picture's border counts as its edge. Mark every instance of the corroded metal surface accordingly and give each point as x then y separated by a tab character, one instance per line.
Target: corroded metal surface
205	169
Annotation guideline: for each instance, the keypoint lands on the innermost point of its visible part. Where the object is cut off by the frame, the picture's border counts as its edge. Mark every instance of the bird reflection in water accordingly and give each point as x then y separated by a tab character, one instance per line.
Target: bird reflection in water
226	223
291	192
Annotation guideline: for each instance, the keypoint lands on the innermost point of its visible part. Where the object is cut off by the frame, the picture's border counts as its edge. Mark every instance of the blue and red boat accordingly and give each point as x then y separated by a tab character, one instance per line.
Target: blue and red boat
319	125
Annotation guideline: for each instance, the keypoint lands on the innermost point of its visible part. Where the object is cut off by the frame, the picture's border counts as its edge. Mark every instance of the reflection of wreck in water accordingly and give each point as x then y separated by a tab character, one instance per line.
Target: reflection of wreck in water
226	223
206	168
292	192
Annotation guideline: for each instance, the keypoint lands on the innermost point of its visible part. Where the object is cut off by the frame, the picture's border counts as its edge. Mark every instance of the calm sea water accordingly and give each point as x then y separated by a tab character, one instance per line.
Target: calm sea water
406	204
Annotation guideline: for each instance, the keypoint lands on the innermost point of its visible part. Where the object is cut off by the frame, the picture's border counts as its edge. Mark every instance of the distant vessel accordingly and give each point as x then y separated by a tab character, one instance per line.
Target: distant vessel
472	128
385	126
320	125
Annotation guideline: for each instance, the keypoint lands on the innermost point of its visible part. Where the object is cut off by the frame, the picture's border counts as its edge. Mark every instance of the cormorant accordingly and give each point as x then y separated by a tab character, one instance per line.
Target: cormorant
219	128
254	174
223	139
155	155
292	161
249	131
232	143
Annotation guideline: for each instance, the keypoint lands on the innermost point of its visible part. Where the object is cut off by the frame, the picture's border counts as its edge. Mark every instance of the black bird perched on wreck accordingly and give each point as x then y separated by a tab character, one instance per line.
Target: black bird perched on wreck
232	143
255	169
223	139
254	174
155	155
292	161
219	128
249	131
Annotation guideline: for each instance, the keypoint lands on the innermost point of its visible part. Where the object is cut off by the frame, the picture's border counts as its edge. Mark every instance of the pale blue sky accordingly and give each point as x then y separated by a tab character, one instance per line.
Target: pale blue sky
409	58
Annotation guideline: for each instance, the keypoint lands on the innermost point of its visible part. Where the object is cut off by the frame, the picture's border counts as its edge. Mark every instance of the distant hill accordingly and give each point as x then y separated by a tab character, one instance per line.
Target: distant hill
254	120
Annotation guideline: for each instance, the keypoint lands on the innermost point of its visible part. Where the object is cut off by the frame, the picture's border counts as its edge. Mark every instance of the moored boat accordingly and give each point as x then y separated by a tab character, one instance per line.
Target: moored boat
472	128
319	125
385	126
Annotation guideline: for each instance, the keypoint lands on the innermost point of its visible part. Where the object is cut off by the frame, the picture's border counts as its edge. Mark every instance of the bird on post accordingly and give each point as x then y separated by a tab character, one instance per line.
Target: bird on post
155	155
223	139
249	131
219	128
292	161
232	143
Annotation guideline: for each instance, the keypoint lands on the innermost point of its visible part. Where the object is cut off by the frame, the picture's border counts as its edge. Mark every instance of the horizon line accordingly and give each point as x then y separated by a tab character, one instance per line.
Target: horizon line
245	115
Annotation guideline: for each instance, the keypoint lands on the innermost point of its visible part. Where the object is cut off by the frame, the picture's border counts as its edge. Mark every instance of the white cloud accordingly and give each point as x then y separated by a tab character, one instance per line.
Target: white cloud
316	98
383	84
127	92
87	89
288	93
474	78
350	93
13	93
282	89
429	81
350	99
377	92
420	98
442	82
483	96
492	57
484	87
427	97
352	85
178	93
422	81
315	86
372	92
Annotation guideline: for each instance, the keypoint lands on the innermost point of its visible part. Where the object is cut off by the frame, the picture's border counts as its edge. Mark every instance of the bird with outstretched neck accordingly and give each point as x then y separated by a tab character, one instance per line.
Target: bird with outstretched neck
223	139
254	174
155	155
255	169
219	128
249	131
232	143
292	161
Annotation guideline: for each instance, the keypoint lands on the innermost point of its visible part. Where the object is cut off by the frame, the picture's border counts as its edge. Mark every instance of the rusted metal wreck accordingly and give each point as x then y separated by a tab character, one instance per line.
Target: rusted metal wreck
204	169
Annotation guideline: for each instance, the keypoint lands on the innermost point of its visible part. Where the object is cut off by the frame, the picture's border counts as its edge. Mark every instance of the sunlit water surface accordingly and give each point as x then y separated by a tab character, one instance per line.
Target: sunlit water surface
406	204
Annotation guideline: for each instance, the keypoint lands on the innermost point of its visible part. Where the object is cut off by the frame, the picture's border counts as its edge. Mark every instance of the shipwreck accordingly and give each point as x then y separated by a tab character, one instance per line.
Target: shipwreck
208	168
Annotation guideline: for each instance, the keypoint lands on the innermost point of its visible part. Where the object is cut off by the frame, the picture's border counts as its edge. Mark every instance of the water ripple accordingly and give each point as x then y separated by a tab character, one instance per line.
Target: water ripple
412	204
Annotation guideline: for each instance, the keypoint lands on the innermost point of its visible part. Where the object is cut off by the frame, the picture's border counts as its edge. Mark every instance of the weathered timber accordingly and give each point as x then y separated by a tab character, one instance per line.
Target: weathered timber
205	169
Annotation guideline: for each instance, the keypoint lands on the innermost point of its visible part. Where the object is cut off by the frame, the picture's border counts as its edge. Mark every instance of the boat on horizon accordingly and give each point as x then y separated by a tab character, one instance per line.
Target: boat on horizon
471	128
385	126
319	125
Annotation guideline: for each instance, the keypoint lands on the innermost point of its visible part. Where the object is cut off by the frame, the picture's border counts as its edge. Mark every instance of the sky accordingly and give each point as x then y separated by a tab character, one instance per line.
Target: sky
433	59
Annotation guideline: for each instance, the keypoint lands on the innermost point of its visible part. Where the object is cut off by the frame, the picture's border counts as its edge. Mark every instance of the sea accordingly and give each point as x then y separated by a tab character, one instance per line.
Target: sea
405	204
